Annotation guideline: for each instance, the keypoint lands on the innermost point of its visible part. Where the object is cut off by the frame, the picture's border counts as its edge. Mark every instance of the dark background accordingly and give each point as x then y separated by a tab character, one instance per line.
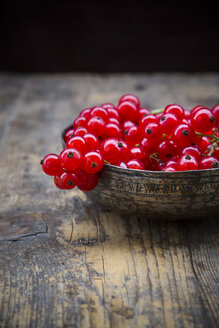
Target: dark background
80	36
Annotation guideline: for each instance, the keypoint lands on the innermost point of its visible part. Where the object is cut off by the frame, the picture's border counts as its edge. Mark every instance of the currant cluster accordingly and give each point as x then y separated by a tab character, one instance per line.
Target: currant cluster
129	136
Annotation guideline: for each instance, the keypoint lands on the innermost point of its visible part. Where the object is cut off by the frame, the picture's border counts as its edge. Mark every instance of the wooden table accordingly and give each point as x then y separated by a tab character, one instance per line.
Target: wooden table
66	262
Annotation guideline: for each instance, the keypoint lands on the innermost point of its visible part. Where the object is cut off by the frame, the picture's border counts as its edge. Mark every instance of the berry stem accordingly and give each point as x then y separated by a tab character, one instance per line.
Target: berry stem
157	111
214	137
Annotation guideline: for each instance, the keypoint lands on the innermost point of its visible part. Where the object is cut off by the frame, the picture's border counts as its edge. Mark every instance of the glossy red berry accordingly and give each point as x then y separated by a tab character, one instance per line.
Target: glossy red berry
191	150
196	108
183	135
171	163
91	142
85	113
87	181
113	112
99	112
215	112
113	120
167	149
208	162
112	130
187	114
177	110
92	162
96	125
69	134
168	123
152	132
133	136
145	120
169	169
144	112
80	131
108	105
128	111
122	165
203	121
70	159
79	122
135	164
58	183
136	153
112	150
130	97
51	164
76	142
187	163
66	180
148	146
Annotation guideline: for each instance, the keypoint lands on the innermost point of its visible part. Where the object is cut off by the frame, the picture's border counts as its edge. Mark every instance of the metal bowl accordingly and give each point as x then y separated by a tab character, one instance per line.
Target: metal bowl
166	195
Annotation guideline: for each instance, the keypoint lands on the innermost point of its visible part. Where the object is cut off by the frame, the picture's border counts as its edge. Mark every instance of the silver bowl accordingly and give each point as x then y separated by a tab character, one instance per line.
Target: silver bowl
165	195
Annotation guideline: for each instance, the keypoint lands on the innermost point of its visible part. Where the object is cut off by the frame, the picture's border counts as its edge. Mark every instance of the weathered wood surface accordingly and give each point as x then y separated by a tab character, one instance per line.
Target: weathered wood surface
65	262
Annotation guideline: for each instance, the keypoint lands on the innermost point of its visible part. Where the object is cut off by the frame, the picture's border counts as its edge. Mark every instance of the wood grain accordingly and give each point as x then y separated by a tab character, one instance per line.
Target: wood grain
67	262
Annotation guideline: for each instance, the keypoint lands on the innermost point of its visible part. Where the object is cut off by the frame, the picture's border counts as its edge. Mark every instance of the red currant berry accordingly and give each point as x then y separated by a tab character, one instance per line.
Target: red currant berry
191	150
143	112
126	125
187	163
177	110
169	169
196	108
215	112
79	122
133	136
152	132
208	162
99	112
171	163
203	121
135	164
85	113
57	182
51	164
158	116
66	180
122	165
145	120
128	111
70	159
92	162
81	131
130	97
148	146
113	112
167	149
113	120
112	130
136	153
112	150
204	144
76	142
168	123
183	135
96	126
69	134
187	114
91	142
108	105
87	181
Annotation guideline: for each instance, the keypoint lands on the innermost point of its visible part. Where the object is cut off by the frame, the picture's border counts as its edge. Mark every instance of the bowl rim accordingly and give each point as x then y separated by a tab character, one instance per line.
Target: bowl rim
141	173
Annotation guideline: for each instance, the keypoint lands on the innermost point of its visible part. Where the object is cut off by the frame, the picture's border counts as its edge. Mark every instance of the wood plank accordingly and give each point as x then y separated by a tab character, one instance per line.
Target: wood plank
66	262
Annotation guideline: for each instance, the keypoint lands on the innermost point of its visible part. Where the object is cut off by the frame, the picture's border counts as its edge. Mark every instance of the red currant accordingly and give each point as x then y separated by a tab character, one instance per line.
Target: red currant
112	150
167	149
145	120
51	164
112	112
143	112
203	121
191	150
99	112
183	135
91	142
80	131
77	142
92	162
112	130
133	136
96	125
66	180
187	163
85	113
152	132
69	134
135	164
168	123
70	159
130	97
80	121
208	162
136	153
177	110
215	112
86	181
128	111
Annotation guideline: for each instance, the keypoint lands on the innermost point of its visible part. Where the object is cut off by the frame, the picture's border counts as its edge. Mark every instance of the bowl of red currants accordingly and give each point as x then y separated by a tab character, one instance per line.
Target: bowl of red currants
163	164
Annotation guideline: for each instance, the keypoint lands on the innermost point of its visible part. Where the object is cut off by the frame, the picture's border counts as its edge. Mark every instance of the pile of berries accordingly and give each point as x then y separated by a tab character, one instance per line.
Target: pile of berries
133	137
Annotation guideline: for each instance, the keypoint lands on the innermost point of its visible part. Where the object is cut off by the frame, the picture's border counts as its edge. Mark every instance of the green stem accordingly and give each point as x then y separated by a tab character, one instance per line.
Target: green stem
157	111
208	135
